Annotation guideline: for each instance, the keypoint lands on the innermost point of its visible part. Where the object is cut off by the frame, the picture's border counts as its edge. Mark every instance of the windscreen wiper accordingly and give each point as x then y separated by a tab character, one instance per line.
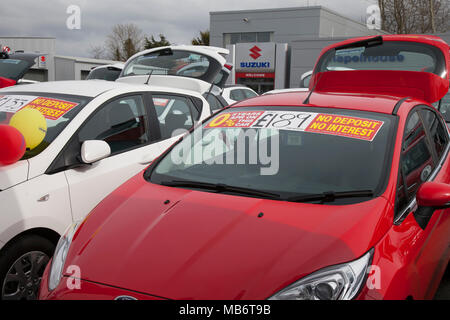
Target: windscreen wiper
331	196
219	187
368	43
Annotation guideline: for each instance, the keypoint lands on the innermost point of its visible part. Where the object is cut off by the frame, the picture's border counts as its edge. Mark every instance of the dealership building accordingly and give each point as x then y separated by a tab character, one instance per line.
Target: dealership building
272	48
51	66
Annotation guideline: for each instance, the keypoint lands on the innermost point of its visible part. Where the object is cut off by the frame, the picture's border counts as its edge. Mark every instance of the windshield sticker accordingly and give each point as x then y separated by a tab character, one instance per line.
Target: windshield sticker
13	103
344	126
160	102
235	119
52	109
350	127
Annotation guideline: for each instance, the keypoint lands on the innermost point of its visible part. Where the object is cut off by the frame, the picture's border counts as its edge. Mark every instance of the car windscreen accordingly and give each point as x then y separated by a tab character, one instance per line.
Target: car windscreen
174	63
108	74
388	55
13	68
286	151
57	110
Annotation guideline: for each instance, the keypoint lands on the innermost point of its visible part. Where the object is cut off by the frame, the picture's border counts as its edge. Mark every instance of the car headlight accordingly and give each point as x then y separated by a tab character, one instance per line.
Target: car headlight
340	282
60	255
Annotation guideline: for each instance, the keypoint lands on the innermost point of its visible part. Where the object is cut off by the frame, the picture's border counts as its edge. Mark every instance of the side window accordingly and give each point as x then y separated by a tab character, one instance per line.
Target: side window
174	112
437	131
249	94
237	95
122	123
222	101
214	104
416	161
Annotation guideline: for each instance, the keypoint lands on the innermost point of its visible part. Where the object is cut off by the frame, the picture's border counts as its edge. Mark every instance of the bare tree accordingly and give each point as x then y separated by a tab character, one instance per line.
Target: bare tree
97	52
415	16
124	41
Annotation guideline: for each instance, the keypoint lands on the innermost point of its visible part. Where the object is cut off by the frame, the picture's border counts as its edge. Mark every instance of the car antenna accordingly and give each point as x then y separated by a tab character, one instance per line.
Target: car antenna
149	76
312	89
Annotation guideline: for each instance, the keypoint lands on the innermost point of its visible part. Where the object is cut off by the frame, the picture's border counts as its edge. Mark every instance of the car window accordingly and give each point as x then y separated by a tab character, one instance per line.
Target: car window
58	110
237	95
307	151
171	62
416	161
437	131
122	123
214	103
104	73
249	93
174	112
388	55
222	100
13	68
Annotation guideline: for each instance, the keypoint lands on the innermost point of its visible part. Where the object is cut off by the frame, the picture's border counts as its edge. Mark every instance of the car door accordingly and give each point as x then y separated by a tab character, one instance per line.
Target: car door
176	115
127	124
424	158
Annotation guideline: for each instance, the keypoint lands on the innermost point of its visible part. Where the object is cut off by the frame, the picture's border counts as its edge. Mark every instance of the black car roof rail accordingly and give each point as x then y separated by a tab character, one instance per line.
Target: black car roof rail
398	105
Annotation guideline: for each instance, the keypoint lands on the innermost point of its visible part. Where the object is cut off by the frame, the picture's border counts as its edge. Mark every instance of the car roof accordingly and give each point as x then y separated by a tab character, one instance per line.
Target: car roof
363	102
79	88
91	88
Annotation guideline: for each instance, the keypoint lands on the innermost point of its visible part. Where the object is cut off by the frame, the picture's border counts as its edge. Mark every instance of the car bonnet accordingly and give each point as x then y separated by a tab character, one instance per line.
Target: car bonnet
215	246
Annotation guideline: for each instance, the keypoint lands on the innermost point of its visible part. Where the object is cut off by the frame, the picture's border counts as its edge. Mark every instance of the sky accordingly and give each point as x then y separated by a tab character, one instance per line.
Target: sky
179	21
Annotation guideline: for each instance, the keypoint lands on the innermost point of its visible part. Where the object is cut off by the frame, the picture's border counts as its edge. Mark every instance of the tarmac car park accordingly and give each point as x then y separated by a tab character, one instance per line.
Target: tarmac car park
361	186
97	134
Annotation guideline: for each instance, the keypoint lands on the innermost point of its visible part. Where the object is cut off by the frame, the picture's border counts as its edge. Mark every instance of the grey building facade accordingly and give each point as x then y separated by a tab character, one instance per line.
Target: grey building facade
282	25
303	30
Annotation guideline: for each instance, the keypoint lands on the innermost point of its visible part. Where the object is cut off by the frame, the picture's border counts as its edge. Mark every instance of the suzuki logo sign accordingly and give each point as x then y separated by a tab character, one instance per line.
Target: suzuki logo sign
255	52
255	57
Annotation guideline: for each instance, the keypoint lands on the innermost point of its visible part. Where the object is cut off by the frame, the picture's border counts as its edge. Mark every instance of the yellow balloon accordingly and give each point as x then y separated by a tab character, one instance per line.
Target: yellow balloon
32	124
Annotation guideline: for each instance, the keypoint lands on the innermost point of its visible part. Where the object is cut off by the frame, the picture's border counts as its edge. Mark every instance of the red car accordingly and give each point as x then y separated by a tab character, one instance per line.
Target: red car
337	193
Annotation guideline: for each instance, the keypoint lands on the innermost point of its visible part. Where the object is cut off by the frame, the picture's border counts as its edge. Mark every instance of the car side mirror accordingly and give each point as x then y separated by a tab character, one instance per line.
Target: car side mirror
431	196
94	150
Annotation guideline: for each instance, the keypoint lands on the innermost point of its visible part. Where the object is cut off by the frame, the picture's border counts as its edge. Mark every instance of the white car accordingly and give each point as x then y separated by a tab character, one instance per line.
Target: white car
172	64
107	133
235	93
108	72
